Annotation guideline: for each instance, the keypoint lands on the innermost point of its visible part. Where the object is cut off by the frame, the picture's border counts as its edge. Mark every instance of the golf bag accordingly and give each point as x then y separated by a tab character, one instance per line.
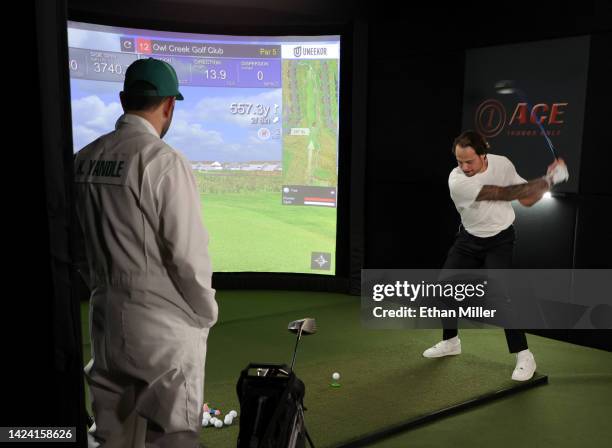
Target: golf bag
271	408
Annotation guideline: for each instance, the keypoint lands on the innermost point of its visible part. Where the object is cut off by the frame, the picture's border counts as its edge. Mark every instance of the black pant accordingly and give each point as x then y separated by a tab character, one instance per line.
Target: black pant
472	252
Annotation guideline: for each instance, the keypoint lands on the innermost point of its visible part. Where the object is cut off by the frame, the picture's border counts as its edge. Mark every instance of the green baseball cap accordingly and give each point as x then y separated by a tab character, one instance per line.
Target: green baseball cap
156	72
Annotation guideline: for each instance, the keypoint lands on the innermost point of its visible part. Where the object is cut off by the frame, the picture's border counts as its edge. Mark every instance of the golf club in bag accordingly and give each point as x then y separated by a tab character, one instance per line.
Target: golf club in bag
272	401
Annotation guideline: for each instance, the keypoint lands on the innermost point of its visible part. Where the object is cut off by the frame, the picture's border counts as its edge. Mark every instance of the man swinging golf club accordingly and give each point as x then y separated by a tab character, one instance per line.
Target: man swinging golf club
482	187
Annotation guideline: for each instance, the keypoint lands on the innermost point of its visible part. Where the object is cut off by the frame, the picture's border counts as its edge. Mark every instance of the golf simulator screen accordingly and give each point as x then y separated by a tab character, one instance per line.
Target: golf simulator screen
259	124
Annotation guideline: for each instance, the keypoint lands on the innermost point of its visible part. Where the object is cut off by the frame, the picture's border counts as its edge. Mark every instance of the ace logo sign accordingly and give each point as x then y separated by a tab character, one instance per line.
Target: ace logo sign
491	117
529	101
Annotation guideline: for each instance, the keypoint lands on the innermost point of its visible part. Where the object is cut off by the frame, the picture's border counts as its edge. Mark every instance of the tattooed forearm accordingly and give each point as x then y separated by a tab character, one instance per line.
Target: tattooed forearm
512	192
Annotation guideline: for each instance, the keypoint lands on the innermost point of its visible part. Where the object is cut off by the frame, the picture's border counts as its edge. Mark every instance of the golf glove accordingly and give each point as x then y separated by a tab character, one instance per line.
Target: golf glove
558	174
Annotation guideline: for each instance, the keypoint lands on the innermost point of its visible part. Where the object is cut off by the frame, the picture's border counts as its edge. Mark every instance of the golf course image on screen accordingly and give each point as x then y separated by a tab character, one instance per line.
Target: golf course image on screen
259	124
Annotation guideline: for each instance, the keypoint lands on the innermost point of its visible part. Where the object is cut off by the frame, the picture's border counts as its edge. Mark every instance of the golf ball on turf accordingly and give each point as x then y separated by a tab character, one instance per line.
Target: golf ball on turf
234	414
218	424
335	376
228	420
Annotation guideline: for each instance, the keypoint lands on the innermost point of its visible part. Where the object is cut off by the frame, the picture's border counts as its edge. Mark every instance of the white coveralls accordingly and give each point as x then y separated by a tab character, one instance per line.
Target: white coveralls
149	272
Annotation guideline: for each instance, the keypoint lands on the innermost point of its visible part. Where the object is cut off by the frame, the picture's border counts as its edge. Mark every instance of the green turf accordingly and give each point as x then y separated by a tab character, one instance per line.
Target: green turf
573	410
386	381
255	232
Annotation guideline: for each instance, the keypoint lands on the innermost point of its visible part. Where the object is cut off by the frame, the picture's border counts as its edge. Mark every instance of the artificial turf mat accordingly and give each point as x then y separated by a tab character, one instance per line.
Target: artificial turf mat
385	380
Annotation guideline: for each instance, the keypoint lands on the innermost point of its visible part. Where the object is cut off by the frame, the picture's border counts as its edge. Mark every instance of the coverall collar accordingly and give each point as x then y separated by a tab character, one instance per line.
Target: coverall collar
135	120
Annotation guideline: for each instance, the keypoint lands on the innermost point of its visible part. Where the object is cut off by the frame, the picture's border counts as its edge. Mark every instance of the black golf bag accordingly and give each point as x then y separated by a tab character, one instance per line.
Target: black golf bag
271	408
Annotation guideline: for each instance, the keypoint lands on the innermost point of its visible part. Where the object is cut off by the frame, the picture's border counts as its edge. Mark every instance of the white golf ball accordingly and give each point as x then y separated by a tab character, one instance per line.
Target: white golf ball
335	376
234	414
218	424
205	423
228	420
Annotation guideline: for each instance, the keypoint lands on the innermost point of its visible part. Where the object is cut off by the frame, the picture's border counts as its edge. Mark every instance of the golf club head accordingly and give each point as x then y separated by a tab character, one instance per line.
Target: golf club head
505	87
308	326
301	327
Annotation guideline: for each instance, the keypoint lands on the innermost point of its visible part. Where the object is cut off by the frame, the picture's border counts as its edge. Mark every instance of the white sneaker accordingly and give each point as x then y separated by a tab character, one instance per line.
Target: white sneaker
525	366
448	347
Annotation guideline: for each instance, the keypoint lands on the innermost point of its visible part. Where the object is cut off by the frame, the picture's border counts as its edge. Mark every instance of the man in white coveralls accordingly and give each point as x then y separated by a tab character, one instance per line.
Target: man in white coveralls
482	187
148	268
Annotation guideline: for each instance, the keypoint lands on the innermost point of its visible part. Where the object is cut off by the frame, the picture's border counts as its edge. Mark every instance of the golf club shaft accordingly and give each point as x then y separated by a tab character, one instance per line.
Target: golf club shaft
523	98
297	341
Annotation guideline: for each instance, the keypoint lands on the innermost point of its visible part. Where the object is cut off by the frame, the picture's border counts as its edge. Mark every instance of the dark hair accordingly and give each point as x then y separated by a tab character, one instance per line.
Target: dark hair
473	139
133	102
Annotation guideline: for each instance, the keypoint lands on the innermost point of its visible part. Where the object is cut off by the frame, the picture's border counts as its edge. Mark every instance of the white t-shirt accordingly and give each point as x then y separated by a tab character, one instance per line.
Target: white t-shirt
484	218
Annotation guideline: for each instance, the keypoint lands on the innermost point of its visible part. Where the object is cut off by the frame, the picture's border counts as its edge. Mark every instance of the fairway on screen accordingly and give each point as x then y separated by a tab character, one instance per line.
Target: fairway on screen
259	124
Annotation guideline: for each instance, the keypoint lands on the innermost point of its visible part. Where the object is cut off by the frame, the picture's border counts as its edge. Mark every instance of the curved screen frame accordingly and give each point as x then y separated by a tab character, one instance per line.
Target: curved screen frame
349	223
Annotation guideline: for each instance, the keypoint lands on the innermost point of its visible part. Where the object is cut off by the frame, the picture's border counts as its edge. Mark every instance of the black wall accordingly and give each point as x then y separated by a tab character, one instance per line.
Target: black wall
41	354
414	113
